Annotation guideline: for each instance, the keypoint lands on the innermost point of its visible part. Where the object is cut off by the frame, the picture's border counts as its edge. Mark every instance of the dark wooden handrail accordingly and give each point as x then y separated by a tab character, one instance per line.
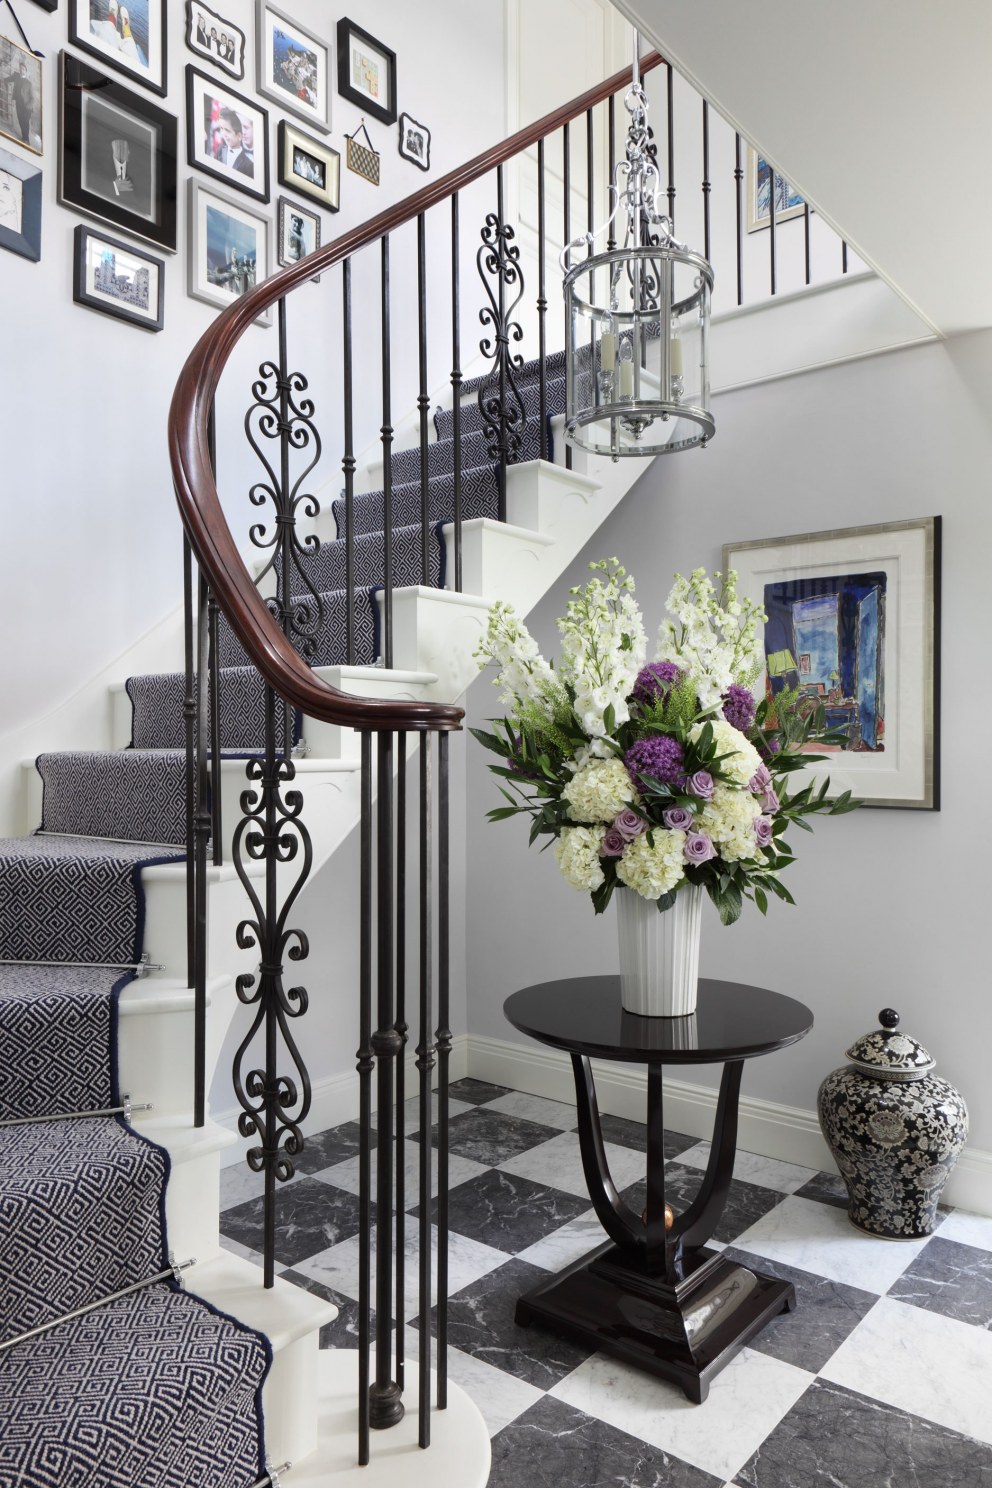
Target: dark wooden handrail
196	491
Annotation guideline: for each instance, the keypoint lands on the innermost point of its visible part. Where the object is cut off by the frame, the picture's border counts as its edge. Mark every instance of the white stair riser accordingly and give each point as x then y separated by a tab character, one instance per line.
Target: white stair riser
165	924
192	1206
289	1401
155	1054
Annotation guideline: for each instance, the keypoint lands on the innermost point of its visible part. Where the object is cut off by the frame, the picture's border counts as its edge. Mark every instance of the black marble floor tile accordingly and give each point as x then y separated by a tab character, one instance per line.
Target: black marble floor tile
476	1092
834	1438
826	1188
553	1445
746	1202
343	1332
507	1212
310	1216
490	1137
324	1149
825	1313
627	1133
951	1278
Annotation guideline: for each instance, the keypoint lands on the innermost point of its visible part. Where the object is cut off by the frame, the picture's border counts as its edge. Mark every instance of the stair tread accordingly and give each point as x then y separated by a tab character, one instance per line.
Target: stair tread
283	1313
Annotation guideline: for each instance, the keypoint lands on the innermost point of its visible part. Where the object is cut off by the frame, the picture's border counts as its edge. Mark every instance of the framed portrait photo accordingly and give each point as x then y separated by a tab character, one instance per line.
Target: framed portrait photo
128	35
788	202
20	206
309	166
293	65
118	279
366	72
227	135
20	96
215	38
229	248
297	233
117	154
854	627
415	142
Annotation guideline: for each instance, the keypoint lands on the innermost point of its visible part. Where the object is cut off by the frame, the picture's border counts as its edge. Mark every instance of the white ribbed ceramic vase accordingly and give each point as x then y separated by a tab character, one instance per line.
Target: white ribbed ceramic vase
659	953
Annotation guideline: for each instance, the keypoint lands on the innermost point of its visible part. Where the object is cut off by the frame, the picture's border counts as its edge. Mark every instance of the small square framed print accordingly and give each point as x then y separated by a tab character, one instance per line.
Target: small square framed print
297	233
309	166
293	65
366	72
118	279
788	202
128	35
216	39
229	248
20	206
226	135
20	96
415	142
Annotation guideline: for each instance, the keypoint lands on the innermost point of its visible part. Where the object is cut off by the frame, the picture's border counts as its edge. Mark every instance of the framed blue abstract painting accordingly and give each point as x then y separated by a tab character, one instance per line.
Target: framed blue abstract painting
853	626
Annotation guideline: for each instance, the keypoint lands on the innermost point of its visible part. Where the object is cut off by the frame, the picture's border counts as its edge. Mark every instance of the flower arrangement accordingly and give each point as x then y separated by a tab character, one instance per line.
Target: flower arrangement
653	775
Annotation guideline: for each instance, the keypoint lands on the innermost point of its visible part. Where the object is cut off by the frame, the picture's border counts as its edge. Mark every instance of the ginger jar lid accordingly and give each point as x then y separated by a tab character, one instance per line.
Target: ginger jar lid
888	1054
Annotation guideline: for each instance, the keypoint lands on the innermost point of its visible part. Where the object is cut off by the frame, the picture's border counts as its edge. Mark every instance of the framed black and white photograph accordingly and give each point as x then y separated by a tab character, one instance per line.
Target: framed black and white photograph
118	279
20	96
229	248
117	154
297	233
293	65
20	206
309	166
415	142
215	39
853	627
129	35
366	72
227	135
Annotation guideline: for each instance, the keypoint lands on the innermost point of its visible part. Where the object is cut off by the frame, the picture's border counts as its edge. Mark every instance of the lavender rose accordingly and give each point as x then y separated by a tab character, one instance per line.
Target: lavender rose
613	844
629	824
656	680
701	785
659	757
760	780
677	819
699	848
763	831
769	802
739	707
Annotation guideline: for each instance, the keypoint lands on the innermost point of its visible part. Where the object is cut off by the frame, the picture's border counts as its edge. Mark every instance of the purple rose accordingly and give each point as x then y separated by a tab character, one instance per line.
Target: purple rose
659	757
677	819
769	802
656	680
629	824
613	845
698	848
763	831
701	785
760	780
739	707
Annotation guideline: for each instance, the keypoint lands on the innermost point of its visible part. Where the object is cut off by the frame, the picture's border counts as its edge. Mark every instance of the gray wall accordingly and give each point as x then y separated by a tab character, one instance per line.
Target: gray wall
891	904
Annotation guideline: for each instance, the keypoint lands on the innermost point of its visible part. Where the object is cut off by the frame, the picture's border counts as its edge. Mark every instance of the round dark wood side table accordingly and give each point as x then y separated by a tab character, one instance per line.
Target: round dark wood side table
660	1299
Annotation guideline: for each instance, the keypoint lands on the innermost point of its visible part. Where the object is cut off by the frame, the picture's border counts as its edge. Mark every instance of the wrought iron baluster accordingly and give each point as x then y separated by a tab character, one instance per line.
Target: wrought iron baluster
706	179
456	384
611	241
843	255
566	170
806	237
201	840
189	729
739	187
771	226
500	403
423	399
425	1065
670	97
542	306
443	1042
386	433
213	663
365	1066
402	1028
348	466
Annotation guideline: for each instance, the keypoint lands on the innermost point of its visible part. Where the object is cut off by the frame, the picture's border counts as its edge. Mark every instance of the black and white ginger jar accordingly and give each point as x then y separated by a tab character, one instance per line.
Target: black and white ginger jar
894	1129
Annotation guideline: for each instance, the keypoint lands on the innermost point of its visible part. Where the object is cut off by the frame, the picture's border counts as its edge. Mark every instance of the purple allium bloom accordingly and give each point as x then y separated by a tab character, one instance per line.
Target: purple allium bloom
656	680
613	843
760	780
629	824
763	831
768	748
701	785
698	848
677	819
738	708
769	802
659	757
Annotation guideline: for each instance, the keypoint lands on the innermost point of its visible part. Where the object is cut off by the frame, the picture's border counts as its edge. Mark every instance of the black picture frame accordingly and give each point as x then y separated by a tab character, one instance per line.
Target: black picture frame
125	54
114	301
48	5
233	67
325	190
415	142
366	99
253	181
21	231
116	115
291	244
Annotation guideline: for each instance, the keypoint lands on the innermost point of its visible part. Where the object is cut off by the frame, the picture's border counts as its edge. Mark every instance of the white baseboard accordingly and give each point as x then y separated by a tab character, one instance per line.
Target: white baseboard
788	1133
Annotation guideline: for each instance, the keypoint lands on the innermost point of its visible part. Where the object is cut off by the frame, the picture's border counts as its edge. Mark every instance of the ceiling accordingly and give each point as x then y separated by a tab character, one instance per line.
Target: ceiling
878	113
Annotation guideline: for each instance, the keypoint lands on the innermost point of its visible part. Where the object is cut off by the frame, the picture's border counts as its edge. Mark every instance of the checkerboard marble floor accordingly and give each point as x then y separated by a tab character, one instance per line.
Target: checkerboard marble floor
881	1378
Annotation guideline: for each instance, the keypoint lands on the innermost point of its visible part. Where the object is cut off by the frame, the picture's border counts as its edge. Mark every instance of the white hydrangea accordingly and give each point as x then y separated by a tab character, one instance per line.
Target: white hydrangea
577	855
742	760
728	819
652	867
603	646
599	791
713	638
525	677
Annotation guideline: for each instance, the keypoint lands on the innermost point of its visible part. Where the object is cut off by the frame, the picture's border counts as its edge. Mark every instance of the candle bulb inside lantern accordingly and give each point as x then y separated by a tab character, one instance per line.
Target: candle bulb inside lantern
675	360
626	378
607	351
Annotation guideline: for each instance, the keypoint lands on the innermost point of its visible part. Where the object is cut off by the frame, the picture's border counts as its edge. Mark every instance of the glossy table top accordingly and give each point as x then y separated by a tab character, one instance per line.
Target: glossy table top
731	1021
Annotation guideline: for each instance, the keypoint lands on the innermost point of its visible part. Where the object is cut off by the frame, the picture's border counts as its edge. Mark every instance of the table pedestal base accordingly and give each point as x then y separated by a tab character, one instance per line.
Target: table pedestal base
686	1332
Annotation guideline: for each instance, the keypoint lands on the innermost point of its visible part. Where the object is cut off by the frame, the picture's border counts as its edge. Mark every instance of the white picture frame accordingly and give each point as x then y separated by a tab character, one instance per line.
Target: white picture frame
216	39
229	248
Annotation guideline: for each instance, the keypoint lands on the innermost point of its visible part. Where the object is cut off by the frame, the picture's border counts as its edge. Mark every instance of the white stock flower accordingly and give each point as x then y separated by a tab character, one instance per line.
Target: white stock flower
713	637
603	646
599	791
652	867
524	675
577	855
742	759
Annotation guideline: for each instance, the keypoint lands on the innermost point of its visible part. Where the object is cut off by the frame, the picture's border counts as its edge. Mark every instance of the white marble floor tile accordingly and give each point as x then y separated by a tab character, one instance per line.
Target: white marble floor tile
570	1243
821	1239
239	1183
337	1267
766	1172
461	1169
558	1164
746	1401
967	1229
500	1397
922	1362
255	1256
535	1108
411	1111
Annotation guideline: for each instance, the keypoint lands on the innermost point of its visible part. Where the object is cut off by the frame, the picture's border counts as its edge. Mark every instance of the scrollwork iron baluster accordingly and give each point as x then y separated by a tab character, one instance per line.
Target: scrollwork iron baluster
500	402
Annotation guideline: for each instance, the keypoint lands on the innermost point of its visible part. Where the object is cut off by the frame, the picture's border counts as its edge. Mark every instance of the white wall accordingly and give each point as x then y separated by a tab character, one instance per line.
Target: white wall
891	904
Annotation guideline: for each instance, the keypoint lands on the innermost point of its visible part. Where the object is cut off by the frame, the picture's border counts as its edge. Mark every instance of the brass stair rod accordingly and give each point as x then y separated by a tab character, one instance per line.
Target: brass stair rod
174	1271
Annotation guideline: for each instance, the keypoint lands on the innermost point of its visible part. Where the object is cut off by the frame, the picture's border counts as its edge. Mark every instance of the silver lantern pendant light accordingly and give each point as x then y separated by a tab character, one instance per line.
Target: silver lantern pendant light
637	319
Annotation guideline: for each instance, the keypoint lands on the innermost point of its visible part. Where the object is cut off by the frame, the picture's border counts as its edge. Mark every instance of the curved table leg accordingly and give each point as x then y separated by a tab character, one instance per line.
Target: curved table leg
621	1223
695	1226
